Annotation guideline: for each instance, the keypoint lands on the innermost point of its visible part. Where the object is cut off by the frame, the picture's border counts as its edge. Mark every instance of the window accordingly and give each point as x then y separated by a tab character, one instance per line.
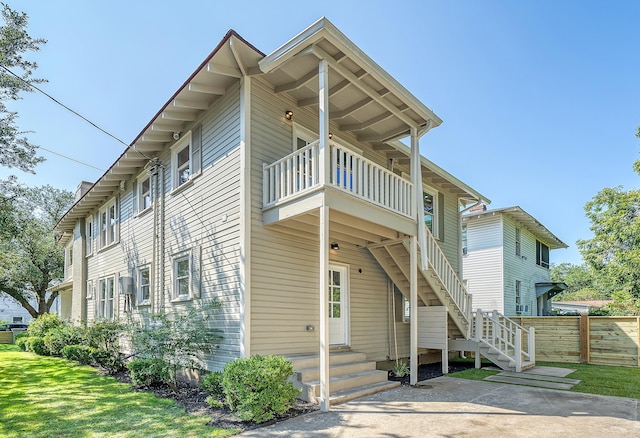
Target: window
109	224
542	254
144	193
89	235
518	296
90	290
406	310
106	298
518	246
70	255
181	277
144	283
428	204
17	319
186	157
464	240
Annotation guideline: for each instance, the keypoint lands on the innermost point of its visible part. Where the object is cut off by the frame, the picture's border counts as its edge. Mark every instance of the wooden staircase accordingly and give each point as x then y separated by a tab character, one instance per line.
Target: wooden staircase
438	285
504	342
351	376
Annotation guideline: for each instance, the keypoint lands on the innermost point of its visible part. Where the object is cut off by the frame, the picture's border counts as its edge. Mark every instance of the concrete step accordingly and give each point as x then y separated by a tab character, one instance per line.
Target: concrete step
538	377
340	369
303	362
528	382
349	381
351	394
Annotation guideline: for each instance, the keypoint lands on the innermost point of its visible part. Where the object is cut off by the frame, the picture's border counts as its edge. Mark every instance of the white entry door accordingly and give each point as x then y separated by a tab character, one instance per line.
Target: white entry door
338	305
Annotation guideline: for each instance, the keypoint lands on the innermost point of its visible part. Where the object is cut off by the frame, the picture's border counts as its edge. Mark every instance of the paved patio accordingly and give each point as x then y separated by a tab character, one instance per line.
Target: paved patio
449	407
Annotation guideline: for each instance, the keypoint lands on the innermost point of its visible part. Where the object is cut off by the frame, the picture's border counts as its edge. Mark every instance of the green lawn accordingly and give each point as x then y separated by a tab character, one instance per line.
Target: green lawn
47	396
595	379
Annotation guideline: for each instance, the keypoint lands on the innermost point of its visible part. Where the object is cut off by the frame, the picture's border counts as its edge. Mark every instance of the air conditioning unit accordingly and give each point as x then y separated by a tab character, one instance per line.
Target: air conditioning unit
520	308
126	285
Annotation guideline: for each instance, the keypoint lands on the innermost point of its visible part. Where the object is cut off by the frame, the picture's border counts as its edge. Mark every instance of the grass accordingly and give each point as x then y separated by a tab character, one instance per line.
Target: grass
595	379
47	396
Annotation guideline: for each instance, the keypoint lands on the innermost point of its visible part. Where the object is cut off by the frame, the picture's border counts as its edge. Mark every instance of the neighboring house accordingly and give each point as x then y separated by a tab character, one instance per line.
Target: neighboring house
277	184
506	261
12	312
563	307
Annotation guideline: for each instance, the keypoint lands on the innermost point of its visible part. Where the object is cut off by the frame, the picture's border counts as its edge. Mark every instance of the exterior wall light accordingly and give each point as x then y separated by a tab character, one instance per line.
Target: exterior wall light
288	114
335	246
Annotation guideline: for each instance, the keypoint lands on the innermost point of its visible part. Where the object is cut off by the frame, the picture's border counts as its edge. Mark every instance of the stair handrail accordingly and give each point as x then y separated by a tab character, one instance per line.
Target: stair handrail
502	334
448	277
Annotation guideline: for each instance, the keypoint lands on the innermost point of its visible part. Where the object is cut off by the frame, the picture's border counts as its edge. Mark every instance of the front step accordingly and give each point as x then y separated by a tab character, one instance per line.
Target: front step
350	376
502	362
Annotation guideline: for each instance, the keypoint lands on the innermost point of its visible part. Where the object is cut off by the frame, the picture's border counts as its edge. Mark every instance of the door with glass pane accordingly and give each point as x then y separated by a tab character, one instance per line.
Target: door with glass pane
338	305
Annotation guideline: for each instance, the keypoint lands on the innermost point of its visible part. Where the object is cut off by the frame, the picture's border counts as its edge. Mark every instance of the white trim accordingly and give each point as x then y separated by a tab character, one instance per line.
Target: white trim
177	258
245	217
345	299
139	207
179	146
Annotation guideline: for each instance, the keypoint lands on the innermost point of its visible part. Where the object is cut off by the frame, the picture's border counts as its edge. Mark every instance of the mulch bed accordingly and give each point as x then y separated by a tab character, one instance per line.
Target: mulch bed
432	370
193	398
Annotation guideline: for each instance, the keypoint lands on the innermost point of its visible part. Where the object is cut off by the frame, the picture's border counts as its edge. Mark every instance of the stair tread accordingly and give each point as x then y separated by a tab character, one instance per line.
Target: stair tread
347	376
361	391
335	366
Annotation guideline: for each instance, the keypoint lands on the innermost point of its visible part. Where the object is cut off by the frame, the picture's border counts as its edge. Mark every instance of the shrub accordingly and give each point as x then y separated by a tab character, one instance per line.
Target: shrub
104	334
180	340
36	345
43	324
21	340
212	383
59	337
147	372
111	361
82	354
257	387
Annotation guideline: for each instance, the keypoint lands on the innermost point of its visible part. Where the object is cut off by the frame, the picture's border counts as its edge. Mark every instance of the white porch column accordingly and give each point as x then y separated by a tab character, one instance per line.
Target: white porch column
324	166
416	179
413	302
323	129
324	308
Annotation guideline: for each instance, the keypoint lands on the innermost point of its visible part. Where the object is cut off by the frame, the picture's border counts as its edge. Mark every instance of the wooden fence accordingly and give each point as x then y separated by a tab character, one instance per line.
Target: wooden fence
599	340
6	337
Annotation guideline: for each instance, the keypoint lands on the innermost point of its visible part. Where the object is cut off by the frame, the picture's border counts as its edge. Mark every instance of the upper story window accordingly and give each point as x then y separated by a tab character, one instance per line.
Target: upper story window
108	223
542	254
89	234
186	157
464	240
518	243
518	294
144	193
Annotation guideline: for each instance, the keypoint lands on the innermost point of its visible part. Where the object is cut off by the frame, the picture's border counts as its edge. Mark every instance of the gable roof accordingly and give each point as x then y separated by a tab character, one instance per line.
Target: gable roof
525	219
364	100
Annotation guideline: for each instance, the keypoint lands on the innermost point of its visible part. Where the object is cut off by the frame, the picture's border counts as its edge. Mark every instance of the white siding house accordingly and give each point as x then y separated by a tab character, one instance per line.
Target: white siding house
506	261
277	184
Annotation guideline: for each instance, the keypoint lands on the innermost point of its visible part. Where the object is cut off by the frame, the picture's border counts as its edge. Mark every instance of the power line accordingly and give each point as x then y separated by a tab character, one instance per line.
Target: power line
69	158
73	112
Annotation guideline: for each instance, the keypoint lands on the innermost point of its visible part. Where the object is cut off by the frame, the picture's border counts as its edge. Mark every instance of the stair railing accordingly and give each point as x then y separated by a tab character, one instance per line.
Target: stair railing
505	337
448	277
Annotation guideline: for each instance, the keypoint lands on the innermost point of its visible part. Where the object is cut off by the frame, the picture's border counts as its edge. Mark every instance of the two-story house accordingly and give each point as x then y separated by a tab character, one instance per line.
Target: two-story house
506	261
277	184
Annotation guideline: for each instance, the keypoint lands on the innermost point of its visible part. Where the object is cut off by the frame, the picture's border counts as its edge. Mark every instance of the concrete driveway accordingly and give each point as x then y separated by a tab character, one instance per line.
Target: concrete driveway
448	407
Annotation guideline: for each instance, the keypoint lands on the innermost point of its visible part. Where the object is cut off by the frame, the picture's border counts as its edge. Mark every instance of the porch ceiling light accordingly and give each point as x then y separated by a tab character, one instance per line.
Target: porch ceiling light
335	246
288	114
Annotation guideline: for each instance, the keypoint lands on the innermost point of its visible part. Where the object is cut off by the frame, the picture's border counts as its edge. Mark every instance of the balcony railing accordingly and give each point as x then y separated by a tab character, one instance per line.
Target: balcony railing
299	173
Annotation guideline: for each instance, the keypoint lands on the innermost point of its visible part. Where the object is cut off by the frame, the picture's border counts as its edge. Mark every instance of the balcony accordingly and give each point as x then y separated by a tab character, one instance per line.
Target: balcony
296	177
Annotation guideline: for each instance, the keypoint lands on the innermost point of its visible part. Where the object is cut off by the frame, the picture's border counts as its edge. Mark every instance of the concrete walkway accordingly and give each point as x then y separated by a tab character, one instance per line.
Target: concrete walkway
539	376
449	407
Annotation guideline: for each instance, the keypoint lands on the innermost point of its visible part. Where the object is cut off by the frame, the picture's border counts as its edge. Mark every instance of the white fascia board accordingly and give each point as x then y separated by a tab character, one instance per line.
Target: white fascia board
324	29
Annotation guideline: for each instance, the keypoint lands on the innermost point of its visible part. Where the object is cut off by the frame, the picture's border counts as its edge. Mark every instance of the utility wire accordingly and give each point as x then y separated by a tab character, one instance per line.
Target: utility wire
69	158
73	112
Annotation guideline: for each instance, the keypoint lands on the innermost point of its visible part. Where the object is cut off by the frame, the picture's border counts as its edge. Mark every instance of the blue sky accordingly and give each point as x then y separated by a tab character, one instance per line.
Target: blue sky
540	99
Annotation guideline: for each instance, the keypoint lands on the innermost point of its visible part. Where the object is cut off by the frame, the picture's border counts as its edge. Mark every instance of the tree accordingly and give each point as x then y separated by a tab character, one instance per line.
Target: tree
16	77
30	258
613	253
580	280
